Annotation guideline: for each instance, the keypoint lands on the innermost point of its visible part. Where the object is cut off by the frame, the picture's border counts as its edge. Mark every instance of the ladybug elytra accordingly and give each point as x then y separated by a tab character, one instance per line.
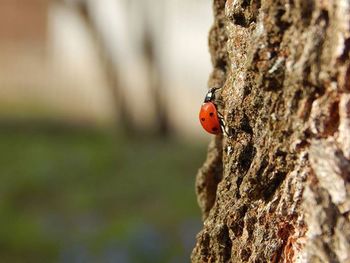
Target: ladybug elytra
209	119
209	116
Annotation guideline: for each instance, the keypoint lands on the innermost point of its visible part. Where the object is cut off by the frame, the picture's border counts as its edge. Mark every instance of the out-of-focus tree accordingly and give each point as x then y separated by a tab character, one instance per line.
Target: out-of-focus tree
112	66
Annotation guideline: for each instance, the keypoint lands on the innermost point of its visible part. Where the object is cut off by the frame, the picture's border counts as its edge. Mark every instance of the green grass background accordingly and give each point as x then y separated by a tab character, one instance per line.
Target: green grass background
83	195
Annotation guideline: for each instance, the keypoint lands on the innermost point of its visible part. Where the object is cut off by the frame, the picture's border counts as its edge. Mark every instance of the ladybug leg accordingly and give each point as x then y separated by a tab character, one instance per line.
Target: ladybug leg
223	126
214	89
211	96
219	102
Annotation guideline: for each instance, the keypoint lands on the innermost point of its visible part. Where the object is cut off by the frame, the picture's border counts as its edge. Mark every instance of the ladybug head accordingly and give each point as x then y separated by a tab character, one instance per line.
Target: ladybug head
210	96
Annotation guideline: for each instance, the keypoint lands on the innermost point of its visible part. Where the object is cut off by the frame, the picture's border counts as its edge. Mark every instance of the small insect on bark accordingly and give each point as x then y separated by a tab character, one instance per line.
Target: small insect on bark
210	118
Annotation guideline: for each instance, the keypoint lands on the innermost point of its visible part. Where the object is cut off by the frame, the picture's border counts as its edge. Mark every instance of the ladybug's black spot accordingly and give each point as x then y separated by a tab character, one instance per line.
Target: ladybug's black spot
211	114
203	119
214	129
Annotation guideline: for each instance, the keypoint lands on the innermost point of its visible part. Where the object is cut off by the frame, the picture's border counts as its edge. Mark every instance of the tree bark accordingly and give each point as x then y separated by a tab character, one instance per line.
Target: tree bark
278	189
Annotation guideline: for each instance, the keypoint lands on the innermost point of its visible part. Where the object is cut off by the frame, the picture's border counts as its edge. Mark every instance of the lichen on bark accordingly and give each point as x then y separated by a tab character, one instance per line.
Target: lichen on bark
278	189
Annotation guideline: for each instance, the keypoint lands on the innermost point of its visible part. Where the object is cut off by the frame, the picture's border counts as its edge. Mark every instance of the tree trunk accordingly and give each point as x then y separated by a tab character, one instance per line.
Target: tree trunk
278	189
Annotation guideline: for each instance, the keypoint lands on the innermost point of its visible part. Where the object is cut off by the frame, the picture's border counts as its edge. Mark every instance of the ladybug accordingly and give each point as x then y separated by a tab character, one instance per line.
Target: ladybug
209	117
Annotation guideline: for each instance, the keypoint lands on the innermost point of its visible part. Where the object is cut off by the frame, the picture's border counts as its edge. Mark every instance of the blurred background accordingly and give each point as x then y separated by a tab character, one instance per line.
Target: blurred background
100	141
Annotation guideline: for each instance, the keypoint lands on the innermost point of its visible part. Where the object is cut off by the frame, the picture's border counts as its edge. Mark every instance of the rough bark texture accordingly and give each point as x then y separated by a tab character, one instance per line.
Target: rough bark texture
278	189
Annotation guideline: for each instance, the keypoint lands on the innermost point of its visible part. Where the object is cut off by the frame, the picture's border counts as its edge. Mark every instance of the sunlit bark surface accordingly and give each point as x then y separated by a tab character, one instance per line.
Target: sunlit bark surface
278	189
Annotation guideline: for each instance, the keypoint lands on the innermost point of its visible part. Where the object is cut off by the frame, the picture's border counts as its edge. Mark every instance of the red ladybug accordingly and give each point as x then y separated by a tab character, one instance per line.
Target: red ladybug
209	117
